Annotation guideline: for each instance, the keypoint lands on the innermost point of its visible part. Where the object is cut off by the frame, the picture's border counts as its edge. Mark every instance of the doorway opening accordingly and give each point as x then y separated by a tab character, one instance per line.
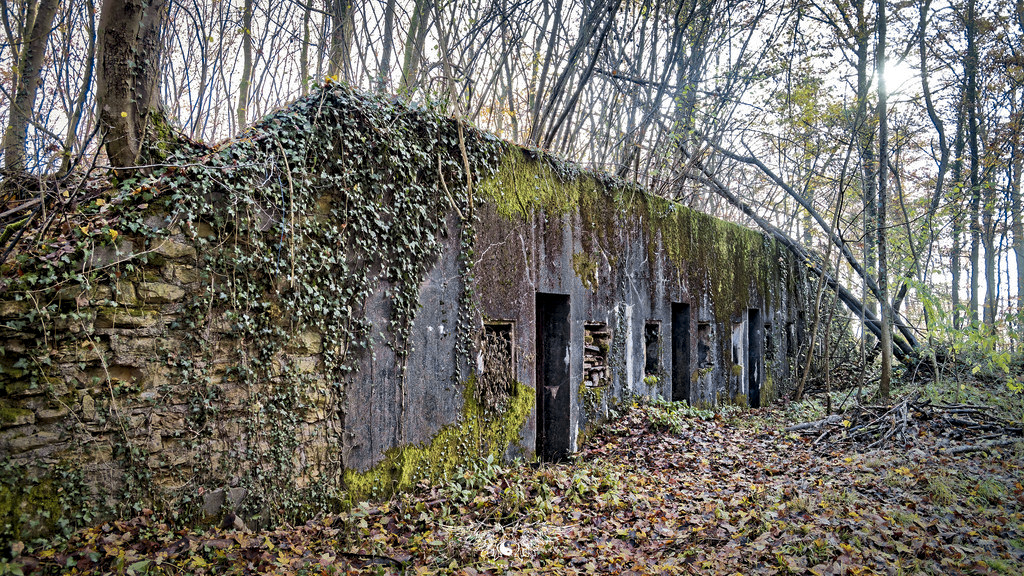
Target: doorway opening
755	357
553	389
681	352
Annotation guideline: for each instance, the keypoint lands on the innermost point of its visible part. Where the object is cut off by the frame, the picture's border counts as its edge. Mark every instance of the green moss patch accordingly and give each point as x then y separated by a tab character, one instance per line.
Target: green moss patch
728	260
28	507
479	433
521	185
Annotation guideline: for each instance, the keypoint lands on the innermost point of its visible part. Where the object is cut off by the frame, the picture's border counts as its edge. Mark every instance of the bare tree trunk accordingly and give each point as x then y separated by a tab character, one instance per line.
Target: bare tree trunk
384	73
342	31
971	65
589	26
83	92
304	51
988	238
1017	220
419	23
906	348
539	96
246	81
126	83
940	135
612	10
958	172
39	20
883	250
865	138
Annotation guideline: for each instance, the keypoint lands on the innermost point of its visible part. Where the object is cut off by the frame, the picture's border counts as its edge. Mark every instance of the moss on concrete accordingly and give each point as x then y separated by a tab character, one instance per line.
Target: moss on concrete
521	185
28	507
586	269
478	434
768	390
728	260
741	400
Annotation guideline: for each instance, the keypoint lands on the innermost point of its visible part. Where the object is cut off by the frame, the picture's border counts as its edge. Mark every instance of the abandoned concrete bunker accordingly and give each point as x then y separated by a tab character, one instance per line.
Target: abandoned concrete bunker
329	308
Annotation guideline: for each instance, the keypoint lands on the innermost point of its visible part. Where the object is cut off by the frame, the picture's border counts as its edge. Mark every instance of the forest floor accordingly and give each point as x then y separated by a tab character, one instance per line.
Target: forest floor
663	489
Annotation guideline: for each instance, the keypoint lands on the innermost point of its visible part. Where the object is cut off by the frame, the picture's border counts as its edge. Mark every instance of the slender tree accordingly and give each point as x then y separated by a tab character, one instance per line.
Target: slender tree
246	80
27	79
885	339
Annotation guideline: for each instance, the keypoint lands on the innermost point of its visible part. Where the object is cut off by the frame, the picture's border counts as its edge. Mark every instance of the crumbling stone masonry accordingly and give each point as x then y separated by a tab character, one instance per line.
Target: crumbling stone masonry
554	296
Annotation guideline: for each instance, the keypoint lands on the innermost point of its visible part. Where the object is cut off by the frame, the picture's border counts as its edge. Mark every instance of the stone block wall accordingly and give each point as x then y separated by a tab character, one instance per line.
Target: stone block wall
104	380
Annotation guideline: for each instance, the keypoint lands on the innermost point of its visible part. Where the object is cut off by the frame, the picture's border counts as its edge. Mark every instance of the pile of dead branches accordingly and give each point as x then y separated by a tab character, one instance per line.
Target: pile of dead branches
953	428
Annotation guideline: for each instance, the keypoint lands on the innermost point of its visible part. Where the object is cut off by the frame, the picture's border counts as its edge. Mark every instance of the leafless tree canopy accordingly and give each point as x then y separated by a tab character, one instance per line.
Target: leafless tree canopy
905	191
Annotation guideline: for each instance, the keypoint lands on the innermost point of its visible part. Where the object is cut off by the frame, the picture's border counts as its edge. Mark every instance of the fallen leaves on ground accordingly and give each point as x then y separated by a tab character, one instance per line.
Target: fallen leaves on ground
715	496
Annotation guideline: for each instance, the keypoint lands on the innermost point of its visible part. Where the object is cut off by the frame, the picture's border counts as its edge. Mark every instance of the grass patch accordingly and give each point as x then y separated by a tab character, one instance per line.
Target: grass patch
992	490
904	518
940	491
999	565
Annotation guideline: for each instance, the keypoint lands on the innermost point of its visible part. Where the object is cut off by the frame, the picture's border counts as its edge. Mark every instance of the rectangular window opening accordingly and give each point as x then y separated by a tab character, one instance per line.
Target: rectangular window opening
498	359
597	339
652	349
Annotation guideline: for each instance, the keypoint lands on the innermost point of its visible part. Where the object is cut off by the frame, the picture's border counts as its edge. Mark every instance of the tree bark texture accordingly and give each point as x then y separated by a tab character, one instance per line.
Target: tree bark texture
126	81
971	70
246	80
885	338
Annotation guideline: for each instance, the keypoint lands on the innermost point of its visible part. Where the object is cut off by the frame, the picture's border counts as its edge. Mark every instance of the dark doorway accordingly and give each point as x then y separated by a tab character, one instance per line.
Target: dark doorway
680	352
553	387
755	357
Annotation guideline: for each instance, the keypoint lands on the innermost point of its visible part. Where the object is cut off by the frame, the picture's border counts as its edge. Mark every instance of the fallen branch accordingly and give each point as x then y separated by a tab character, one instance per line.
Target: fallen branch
980	447
871	427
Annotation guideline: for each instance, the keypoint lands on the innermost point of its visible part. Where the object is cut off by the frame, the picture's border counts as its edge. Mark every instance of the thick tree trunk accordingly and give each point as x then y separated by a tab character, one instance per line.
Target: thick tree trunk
39	20
126	82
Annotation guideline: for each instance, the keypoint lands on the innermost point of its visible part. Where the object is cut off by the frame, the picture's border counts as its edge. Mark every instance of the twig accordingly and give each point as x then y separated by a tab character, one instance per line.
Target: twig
17	209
